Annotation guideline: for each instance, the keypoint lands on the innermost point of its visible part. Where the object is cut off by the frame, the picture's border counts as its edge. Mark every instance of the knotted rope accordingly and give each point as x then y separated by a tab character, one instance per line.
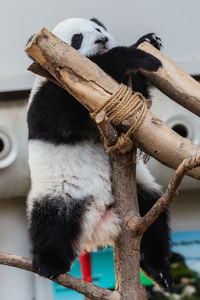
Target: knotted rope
120	106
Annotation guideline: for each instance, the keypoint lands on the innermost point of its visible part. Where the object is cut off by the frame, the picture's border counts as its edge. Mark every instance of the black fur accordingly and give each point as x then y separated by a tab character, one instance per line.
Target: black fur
55	116
54	227
155	244
27	44
98	22
77	41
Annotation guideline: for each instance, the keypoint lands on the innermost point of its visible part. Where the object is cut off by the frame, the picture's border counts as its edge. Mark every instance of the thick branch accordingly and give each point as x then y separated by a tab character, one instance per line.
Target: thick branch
92	87
173	81
140	224
88	289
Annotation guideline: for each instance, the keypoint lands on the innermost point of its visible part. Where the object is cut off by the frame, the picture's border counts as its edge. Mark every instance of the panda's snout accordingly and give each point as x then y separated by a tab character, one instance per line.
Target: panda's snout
102	40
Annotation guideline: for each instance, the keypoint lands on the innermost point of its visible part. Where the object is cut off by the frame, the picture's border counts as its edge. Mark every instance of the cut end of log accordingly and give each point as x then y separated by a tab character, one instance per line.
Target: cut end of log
33	40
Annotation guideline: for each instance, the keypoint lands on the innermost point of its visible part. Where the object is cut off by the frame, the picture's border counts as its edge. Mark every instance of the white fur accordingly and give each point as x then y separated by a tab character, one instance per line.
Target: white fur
67	28
39	80
80	172
145	178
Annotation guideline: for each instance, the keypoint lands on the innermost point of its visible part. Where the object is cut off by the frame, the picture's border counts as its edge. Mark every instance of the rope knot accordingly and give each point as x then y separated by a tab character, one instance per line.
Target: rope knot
119	107
124	144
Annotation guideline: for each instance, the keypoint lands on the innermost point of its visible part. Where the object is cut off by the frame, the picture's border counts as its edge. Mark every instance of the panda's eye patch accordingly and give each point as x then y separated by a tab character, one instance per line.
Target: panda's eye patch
77	40
97	29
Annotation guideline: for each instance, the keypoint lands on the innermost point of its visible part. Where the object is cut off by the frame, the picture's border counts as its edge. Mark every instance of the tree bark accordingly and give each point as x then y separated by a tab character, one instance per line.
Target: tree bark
173	81
92	87
127	246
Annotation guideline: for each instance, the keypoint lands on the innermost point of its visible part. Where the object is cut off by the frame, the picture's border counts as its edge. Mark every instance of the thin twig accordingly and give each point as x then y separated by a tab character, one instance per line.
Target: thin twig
141	224
88	289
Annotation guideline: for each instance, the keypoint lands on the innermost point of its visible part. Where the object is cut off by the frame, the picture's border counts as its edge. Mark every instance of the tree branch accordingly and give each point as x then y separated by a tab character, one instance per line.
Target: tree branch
141	224
173	81
88	289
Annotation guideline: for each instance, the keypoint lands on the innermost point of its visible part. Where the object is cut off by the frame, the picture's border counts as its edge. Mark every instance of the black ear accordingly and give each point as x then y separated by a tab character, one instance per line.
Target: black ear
98	22
27	44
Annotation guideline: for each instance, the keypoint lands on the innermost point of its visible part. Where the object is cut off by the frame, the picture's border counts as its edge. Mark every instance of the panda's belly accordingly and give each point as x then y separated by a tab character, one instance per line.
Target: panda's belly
78	171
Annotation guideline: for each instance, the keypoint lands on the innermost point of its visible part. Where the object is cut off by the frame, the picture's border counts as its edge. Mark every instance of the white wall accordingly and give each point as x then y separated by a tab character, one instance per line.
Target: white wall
15	284
177	22
184	212
14	172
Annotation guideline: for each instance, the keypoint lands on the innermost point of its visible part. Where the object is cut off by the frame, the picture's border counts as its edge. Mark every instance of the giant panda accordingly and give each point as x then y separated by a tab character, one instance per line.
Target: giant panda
70	206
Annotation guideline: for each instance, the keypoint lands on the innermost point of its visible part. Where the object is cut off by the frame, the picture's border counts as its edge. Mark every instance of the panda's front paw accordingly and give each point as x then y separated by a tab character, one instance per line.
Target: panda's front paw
151	38
150	63
49	266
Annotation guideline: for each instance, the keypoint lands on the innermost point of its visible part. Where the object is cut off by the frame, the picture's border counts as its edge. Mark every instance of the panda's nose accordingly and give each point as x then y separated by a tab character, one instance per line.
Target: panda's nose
102	40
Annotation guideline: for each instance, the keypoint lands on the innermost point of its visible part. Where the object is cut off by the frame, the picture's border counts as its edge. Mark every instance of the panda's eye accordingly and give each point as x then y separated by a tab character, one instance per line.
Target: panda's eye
77	40
97	29
77	36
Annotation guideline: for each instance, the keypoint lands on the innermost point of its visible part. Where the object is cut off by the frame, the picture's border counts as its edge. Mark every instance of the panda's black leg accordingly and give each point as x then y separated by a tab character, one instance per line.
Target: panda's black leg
120	61
155	244
54	230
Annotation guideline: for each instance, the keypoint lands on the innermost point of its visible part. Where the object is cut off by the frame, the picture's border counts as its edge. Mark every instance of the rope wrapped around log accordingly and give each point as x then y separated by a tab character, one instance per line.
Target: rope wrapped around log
120	106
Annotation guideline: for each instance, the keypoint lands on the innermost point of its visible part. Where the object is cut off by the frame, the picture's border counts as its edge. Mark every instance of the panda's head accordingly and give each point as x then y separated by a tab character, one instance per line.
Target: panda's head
89	37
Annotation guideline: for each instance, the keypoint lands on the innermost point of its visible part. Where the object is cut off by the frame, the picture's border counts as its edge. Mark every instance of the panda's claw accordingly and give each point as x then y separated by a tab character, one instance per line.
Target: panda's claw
147	40
151	38
161	275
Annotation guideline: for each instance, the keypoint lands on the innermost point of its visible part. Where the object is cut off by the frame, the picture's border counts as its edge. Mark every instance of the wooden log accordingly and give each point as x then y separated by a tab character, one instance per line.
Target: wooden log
93	87
173	81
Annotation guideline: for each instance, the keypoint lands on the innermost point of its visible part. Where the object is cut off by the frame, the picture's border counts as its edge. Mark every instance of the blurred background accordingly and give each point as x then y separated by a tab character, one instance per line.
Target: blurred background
177	23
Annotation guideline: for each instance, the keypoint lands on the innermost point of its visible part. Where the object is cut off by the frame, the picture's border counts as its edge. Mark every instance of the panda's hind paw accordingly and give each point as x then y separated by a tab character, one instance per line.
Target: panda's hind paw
49	266
161	276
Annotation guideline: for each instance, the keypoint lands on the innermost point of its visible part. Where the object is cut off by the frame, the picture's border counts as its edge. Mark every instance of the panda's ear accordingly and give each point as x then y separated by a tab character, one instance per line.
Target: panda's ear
27	44
30	39
98	22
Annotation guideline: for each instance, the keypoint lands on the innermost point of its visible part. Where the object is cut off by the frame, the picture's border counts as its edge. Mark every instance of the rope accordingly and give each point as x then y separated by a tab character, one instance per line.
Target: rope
120	106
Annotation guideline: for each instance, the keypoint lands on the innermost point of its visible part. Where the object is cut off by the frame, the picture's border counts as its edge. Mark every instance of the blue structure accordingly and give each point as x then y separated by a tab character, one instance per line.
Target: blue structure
103	274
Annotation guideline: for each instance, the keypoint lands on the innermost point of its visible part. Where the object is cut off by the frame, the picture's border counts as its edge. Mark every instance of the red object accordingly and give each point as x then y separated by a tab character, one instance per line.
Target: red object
86	266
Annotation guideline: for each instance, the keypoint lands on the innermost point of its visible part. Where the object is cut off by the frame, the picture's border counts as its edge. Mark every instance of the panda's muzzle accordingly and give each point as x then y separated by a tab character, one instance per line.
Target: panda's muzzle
102	41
